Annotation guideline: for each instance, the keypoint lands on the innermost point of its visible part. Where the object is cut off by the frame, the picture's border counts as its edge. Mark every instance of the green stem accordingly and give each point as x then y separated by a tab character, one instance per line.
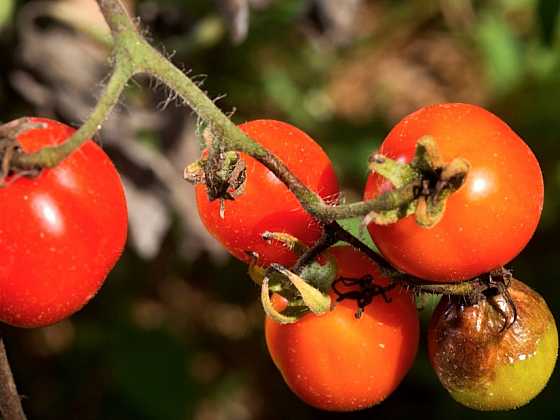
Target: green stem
116	17
227	134
49	157
134	55
232	138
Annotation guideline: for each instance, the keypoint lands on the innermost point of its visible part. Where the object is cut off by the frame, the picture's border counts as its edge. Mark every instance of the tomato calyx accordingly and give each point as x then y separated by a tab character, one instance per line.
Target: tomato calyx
10	148
224	174
304	288
432	180
363	290
302	294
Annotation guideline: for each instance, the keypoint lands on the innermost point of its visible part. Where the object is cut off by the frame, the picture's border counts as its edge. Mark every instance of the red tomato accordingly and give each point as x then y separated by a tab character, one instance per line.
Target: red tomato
339	363
267	204
489	220
60	233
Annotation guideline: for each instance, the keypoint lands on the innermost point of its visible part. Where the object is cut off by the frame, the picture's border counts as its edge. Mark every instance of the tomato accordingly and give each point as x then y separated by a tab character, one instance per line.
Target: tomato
484	365
489	220
60	232
339	363
266	203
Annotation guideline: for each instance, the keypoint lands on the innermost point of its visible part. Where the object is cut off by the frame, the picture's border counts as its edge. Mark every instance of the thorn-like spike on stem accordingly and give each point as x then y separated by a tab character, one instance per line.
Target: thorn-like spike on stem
289	241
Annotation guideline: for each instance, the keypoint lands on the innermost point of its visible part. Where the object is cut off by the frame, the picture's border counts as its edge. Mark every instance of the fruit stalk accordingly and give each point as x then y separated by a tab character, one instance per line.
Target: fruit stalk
10	401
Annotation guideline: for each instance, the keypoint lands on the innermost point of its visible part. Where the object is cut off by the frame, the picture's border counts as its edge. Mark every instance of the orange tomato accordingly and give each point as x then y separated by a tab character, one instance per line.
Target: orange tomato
339	363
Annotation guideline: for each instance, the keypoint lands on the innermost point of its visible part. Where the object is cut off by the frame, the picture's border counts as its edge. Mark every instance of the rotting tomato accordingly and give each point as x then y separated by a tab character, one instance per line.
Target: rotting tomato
492	216
266	204
61	232
336	362
490	355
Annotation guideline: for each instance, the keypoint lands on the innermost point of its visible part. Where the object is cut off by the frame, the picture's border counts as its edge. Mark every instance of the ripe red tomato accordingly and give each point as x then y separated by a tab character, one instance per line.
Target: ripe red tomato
60	233
339	363
489	220
266	203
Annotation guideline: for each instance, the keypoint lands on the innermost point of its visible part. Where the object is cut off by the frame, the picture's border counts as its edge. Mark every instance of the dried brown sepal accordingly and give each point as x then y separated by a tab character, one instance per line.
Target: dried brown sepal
432	201
194	173
224	174
9	147
427	156
289	241
429	211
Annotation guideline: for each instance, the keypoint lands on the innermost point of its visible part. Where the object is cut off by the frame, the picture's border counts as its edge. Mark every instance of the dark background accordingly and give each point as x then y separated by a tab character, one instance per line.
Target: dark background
176	332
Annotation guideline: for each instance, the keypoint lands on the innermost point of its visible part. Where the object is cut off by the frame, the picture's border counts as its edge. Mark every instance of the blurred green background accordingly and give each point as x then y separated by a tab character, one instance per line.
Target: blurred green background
176	332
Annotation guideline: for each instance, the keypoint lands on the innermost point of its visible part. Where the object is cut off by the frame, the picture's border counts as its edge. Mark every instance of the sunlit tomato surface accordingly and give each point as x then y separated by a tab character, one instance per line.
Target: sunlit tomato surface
489	220
60	233
339	363
267	204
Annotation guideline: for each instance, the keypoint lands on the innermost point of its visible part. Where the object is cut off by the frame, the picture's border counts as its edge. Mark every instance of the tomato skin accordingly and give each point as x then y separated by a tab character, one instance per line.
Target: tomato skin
60	233
267	204
489	220
336	362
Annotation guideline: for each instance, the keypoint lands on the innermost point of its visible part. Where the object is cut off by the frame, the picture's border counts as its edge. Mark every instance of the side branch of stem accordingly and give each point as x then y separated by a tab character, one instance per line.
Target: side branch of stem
49	157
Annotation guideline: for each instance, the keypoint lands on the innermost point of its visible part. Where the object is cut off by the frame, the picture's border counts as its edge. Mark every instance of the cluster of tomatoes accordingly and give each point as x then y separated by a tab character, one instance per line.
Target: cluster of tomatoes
63	229
482	346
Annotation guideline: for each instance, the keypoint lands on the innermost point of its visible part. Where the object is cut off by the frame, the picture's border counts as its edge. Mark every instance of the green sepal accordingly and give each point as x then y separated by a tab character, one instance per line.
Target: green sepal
269	307
320	276
390	216
317	302
397	173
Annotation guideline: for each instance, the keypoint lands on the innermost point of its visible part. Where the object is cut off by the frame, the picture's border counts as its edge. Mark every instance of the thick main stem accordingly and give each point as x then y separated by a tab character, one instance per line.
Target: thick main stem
10	401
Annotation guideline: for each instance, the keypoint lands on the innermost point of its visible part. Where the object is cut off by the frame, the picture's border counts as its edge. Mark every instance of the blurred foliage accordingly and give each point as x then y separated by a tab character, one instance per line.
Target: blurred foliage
176	332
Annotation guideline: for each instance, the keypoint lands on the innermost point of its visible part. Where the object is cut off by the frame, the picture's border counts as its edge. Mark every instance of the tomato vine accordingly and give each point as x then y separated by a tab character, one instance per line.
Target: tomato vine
420	188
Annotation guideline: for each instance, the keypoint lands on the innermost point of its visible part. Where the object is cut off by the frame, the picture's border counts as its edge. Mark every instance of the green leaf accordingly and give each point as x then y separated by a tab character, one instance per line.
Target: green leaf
356	228
6	12
502	53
